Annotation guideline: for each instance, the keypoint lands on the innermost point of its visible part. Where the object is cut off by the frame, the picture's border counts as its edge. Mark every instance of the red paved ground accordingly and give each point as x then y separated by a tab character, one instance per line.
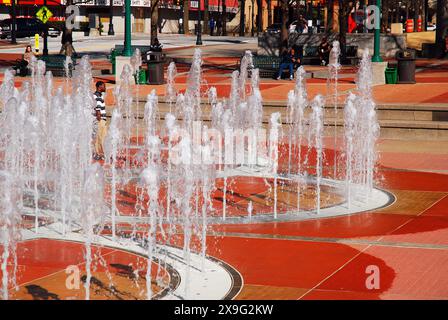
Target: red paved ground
327	258
312	259
431	87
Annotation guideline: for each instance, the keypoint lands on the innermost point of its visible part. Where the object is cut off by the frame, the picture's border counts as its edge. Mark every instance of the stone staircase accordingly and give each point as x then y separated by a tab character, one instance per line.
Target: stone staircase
417	122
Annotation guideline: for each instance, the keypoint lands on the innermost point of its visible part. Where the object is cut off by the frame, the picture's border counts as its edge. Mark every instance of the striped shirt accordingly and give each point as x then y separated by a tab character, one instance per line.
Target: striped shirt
100	105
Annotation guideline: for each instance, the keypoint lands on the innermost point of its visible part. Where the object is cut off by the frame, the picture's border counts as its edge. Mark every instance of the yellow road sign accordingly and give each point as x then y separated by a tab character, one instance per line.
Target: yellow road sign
44	14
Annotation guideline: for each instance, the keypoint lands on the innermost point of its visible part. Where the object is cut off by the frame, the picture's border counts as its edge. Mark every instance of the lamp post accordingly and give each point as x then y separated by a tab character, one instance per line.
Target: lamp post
13	22
242	16
127	52
199	31
251	8
111	31
45	50
376	44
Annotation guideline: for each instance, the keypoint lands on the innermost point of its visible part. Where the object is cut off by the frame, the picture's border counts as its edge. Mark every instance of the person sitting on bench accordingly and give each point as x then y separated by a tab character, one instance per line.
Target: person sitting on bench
297	53
324	51
21	67
287	61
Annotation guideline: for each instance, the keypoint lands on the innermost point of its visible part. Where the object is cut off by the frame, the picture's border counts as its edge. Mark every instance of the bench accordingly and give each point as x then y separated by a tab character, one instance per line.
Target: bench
351	56
267	65
118	50
56	64
311	56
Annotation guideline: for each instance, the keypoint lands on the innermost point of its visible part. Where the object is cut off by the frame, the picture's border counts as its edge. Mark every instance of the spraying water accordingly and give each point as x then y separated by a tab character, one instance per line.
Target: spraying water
273	152
318	126
334	66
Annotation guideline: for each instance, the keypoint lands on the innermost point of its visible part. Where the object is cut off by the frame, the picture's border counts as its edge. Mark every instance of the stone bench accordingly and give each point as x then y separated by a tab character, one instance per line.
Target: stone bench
56	64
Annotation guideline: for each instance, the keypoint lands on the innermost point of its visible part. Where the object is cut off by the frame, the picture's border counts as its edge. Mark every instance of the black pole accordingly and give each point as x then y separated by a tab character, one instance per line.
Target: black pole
45	51
111	31
199	31
252	33
426	15
242	14
13	22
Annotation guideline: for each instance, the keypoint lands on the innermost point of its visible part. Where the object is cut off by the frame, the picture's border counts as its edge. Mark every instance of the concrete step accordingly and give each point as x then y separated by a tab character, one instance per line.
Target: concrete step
421	122
417	114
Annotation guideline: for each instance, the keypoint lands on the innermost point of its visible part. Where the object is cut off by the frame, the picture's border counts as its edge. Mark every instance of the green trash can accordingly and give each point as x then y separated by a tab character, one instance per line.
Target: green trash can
155	72
391	75
140	76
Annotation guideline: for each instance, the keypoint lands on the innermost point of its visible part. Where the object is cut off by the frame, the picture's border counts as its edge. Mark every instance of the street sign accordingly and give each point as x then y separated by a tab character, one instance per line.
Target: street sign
44	14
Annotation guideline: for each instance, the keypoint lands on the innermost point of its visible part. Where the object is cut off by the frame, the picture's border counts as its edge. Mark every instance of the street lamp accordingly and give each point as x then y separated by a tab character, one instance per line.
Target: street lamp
199	31
251	9
13	22
242	18
127	52
45	51
111	31
377	37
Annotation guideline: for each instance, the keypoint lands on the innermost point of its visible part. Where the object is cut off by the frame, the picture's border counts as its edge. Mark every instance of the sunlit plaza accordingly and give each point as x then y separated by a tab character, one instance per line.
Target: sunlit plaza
266	154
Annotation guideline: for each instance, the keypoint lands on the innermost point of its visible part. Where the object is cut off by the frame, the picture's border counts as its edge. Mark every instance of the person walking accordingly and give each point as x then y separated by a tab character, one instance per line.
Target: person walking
218	27
212	26
99	124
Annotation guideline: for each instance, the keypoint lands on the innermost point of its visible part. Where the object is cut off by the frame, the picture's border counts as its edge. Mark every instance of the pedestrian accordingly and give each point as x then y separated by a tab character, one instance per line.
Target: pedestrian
67	43
287	61
218	27
99	123
181	26
212	26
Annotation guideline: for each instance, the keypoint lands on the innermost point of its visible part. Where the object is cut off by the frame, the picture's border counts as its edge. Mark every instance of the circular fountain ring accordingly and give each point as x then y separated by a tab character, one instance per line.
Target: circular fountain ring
210	278
378	199
247	185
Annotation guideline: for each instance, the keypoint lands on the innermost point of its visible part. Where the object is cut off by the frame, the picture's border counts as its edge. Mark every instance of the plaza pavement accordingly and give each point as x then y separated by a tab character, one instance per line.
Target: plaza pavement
328	258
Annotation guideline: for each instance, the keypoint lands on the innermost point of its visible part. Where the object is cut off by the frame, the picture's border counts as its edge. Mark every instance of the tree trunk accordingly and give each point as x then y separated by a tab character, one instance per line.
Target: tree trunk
206	27
284	31
186	16
385	18
442	27
330	15
260	16
415	7
154	19
224	18
242	30
269	5
424	14
343	26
